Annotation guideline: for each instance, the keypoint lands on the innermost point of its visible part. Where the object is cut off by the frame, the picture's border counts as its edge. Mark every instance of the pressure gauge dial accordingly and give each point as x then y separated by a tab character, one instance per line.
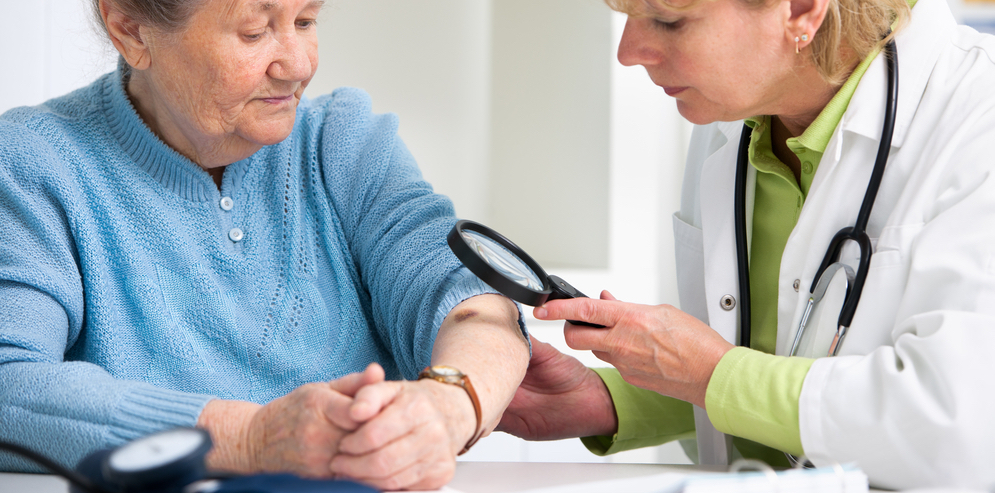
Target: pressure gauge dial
172	456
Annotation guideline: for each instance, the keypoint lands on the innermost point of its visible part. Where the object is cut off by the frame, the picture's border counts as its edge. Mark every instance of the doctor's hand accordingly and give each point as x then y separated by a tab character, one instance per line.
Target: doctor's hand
658	348
559	398
299	432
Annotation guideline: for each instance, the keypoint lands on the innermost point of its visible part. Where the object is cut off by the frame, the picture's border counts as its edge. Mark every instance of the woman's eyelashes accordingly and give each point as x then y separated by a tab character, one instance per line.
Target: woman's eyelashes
253	35
668	25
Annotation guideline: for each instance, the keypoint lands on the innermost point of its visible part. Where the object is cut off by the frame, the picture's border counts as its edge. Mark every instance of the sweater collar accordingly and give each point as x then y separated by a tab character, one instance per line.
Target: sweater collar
171	169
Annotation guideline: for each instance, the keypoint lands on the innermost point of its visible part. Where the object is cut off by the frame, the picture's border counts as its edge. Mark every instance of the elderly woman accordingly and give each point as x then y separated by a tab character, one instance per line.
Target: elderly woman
188	241
908	396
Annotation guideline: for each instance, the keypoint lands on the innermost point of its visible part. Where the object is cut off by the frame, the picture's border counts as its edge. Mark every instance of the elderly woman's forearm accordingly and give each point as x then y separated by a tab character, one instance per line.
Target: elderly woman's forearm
228	423
482	338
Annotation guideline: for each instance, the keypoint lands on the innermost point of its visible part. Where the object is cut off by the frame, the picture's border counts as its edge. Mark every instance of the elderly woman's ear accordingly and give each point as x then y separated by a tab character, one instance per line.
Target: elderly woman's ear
131	39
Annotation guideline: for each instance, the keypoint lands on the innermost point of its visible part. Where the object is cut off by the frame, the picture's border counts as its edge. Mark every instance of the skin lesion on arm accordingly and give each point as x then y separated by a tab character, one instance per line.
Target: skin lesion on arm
463	315
482	338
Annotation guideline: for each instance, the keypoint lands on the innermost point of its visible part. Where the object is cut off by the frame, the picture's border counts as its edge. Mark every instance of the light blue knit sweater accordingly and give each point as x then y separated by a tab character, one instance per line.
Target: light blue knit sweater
126	303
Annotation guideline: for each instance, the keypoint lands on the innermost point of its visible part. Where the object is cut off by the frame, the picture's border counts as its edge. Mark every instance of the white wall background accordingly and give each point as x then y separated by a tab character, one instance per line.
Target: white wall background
515	108
48	48
427	61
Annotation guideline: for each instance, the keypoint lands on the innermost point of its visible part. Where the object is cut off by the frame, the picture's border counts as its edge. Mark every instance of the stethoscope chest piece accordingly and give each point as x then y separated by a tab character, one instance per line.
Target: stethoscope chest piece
835	283
821	311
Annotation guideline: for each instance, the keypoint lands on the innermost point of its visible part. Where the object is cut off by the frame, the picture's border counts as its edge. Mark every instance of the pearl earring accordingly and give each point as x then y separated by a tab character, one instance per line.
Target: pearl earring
804	38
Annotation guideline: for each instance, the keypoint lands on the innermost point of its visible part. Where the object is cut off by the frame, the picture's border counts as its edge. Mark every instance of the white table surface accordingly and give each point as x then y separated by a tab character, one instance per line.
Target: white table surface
507	477
471	477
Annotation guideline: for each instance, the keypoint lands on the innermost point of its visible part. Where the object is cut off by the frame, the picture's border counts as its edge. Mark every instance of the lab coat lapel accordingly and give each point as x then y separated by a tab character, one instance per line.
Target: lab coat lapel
717	189
839	184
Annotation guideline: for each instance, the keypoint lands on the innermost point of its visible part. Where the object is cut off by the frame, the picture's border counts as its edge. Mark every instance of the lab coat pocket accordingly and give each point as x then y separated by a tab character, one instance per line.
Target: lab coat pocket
879	300
690	255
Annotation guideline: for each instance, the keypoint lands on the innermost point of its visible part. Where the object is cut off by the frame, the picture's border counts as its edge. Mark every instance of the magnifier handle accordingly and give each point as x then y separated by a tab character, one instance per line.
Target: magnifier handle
562	290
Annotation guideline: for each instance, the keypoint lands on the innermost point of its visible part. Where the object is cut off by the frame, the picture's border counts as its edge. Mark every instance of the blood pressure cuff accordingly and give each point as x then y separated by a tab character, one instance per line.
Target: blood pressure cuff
92	468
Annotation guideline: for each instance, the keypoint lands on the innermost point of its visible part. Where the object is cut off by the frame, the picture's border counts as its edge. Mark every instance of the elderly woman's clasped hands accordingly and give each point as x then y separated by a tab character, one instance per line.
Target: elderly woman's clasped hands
388	434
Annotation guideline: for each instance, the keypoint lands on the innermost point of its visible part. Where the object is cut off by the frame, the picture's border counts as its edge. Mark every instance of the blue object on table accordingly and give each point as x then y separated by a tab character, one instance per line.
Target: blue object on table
172	461
288	483
260	483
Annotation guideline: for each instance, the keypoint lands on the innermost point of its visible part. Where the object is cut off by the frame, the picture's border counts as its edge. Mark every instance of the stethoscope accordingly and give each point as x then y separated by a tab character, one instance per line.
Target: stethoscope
831	265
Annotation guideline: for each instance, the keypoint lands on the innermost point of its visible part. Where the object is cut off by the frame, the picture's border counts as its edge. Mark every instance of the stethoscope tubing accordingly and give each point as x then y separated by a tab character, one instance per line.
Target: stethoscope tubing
742	249
856	233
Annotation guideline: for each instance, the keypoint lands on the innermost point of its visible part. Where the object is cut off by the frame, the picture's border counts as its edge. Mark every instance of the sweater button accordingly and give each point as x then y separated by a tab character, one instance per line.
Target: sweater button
236	235
227	203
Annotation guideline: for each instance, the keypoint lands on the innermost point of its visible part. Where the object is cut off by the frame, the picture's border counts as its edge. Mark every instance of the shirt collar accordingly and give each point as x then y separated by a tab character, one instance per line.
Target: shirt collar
816	137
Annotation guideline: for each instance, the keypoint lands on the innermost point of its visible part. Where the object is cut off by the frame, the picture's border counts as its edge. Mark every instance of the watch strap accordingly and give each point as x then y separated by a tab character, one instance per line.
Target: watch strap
468	387
464	383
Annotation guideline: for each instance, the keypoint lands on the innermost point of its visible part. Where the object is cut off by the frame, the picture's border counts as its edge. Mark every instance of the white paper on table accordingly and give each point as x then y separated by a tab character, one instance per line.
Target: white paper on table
444	489
669	482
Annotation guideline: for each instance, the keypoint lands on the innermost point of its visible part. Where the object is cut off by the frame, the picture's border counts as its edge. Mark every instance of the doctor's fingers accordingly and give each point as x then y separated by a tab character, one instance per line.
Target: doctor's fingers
586	338
351	383
601	312
603	356
634	326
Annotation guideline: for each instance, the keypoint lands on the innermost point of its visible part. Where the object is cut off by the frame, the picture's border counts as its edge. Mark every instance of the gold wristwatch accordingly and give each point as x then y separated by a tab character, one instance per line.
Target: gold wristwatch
452	376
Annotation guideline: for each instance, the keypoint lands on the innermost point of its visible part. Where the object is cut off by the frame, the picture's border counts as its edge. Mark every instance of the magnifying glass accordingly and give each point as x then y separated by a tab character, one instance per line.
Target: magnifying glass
507	268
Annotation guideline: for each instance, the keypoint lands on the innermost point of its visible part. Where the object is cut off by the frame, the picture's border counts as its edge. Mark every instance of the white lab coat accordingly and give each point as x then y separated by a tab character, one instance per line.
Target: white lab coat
911	398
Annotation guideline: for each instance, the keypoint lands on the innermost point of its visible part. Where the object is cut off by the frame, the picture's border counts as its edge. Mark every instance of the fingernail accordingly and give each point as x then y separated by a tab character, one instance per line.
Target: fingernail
540	312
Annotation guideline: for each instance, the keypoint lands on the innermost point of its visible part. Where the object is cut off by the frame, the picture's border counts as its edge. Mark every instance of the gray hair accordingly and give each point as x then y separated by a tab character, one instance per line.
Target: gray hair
167	15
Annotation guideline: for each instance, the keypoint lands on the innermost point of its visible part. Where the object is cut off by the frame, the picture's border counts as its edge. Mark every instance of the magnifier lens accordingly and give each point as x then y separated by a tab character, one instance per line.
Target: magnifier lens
502	260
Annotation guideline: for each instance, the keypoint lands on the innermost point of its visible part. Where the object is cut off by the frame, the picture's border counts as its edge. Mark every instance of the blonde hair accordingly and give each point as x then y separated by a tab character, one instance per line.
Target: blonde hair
855	26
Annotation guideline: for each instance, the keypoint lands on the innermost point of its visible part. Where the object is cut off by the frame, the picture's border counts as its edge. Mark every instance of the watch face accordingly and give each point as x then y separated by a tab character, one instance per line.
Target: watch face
156	450
446	371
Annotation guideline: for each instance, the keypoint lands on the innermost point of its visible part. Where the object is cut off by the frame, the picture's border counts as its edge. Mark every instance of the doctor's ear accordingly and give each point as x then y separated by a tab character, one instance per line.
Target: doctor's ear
804	20
131	39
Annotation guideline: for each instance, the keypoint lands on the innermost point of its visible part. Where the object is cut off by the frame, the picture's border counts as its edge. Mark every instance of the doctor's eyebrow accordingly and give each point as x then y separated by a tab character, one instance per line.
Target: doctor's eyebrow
650	8
268	5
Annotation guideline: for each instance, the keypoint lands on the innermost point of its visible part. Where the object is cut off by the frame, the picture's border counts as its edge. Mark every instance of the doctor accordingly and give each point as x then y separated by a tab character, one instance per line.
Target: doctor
910	394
